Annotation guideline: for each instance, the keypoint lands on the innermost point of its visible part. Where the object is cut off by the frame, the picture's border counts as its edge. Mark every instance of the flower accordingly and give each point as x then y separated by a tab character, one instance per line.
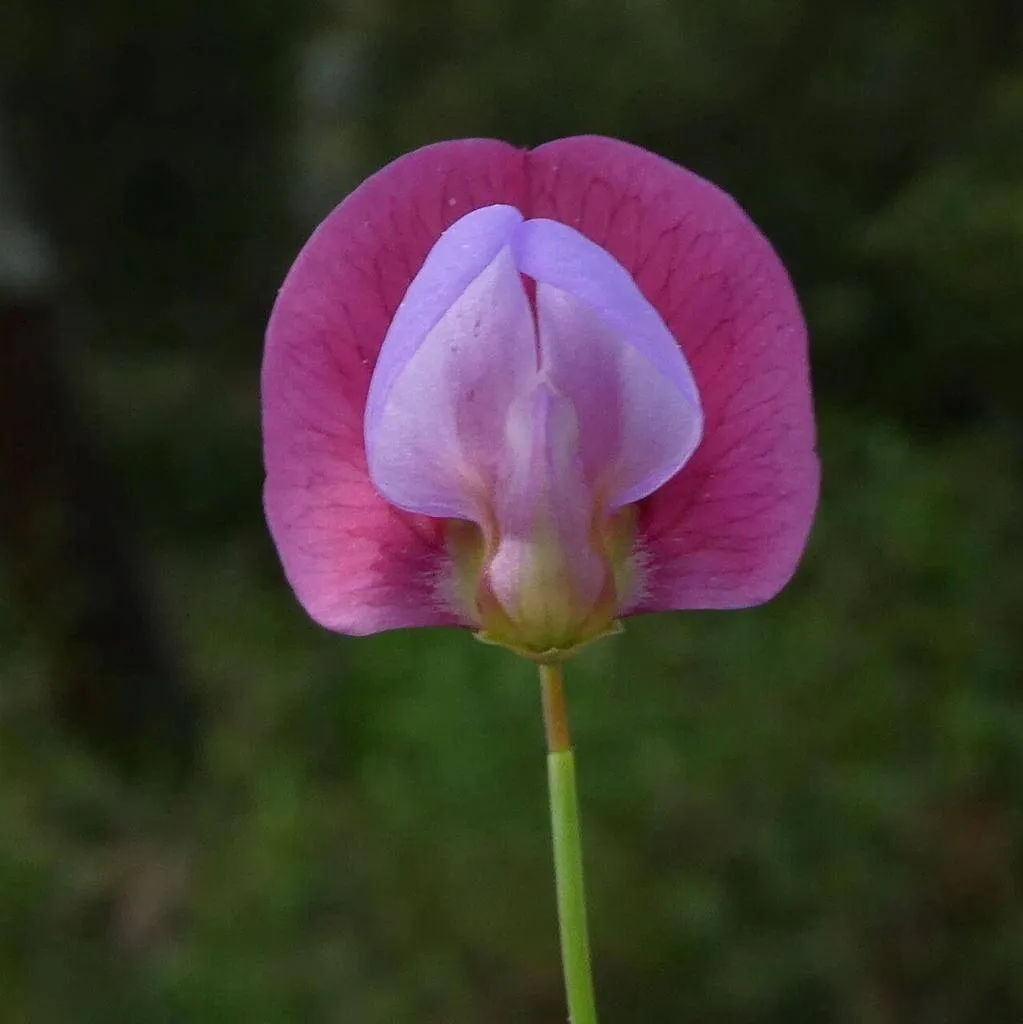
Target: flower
531	392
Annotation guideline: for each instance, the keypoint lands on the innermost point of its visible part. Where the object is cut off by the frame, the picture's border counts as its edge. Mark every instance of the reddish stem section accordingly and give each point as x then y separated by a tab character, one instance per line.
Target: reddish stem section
555	714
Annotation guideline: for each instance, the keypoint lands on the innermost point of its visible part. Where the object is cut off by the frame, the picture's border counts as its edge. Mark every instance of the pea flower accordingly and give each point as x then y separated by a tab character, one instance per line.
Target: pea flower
529	393
532	392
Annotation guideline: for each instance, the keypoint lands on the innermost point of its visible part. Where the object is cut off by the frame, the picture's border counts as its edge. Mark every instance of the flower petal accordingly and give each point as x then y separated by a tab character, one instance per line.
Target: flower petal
357	564
439	399
606	348
725	531
729	528
458	257
545	572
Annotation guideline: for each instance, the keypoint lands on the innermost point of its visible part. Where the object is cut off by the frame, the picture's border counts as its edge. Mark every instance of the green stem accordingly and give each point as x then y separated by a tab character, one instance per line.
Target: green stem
568	859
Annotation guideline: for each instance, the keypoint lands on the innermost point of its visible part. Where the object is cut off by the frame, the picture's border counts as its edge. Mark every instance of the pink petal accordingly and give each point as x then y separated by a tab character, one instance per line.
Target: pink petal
725	531
357	564
729	528
462	346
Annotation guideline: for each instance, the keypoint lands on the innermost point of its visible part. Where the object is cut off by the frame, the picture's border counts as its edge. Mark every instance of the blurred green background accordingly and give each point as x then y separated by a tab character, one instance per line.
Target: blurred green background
211	811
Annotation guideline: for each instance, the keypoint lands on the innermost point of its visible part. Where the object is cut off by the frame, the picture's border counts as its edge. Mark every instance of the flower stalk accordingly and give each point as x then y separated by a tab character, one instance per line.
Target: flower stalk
568	860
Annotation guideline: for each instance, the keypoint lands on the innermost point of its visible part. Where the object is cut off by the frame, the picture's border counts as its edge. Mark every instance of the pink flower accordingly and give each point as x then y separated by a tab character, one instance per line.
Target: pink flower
530	392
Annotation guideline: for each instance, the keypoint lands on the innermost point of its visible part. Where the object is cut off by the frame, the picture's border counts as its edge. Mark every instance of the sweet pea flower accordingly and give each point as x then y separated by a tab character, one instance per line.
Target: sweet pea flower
531	392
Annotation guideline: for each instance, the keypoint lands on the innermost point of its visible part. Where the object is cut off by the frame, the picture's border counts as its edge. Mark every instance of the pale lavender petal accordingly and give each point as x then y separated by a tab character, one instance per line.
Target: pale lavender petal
607	350
545	571
558	255
435	427
457	258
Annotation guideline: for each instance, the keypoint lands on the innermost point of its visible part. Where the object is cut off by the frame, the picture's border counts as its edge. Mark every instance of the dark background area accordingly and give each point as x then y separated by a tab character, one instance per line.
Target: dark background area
212	811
